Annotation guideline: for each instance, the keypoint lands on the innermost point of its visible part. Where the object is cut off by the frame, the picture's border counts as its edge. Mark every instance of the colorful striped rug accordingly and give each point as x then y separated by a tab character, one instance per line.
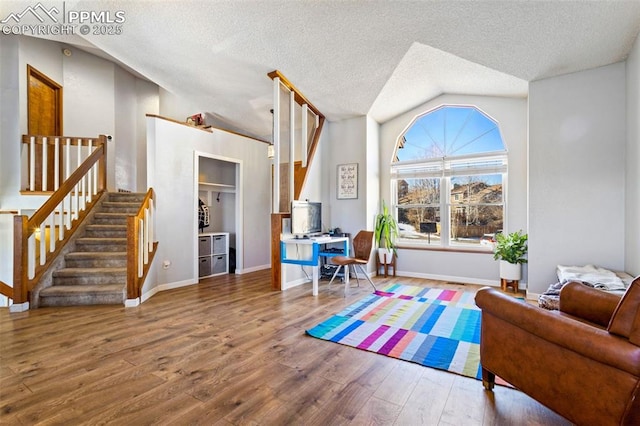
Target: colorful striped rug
434	327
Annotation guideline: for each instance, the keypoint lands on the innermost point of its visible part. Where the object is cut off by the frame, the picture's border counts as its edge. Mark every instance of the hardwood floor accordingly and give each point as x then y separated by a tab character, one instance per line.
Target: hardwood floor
228	351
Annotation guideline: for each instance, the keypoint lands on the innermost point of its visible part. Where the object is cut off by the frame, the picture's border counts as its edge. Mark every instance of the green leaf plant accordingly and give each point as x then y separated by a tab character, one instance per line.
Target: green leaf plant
386	229
511	247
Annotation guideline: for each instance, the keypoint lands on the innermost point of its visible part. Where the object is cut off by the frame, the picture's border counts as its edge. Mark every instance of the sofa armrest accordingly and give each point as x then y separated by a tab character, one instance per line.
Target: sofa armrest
587	340
588	303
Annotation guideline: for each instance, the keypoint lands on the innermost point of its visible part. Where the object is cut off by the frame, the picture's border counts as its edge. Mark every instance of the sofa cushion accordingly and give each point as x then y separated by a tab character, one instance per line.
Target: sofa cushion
622	321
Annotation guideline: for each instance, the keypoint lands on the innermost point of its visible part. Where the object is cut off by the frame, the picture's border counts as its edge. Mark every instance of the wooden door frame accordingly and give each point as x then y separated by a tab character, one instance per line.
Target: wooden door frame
57	88
57	122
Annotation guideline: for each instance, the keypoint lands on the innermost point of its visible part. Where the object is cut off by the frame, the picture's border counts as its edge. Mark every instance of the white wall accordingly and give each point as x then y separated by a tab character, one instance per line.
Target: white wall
348	144
479	268
124	143
577	132
632	194
171	172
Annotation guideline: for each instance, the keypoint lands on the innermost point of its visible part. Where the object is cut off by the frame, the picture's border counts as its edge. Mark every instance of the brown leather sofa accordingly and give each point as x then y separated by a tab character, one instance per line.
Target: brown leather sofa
582	361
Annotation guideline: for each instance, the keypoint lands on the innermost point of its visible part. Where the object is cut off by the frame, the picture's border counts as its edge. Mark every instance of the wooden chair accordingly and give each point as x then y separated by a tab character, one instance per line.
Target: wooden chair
362	245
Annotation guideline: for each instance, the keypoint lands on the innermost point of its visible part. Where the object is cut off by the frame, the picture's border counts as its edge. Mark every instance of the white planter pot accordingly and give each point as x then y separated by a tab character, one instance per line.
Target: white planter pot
381	255
510	271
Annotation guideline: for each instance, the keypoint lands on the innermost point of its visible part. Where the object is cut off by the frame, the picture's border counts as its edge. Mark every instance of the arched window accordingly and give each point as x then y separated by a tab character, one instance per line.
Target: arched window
447	176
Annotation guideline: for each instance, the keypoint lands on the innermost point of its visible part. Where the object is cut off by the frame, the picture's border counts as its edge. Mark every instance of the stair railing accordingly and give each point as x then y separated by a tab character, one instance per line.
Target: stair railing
140	246
36	238
6	290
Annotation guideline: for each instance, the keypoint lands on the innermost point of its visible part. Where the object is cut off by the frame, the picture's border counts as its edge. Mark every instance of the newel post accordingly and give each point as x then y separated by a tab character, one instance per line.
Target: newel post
20	256
132	257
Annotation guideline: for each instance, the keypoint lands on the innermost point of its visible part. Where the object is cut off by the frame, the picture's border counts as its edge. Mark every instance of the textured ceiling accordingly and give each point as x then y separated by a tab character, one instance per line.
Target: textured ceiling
351	58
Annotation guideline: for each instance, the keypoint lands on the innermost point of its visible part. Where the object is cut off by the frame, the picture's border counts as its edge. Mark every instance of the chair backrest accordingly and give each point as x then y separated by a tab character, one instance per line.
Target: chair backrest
362	244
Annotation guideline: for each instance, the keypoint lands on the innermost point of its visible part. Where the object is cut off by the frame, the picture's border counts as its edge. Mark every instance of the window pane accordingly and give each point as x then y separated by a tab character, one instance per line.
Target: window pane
418	191
419	224
449	131
476	189
476	209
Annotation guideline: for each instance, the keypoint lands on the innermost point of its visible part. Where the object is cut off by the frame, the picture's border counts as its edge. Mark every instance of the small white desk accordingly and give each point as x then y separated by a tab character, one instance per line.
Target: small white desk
316	253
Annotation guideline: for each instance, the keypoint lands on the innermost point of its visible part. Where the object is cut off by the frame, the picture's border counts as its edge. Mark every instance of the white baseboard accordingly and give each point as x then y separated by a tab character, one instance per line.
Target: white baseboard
162	287
450	278
19	307
252	269
132	303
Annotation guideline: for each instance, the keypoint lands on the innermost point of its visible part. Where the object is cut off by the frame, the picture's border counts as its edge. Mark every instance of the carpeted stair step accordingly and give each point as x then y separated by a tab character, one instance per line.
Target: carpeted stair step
135	197
120	207
69	295
101	244
90	276
106	231
107	218
78	259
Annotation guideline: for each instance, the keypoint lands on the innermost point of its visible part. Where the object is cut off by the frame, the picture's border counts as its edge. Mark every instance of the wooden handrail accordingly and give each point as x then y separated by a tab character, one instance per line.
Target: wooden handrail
24	228
6	290
135	280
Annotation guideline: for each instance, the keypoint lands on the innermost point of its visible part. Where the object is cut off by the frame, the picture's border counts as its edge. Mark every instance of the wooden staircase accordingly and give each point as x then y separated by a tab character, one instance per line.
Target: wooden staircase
95	270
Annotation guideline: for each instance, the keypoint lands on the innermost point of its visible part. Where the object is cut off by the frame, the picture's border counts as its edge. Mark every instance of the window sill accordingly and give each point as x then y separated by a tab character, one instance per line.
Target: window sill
445	249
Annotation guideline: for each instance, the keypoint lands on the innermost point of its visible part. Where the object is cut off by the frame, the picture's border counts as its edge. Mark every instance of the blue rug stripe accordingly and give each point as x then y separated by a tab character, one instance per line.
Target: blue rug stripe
441	353
467	325
430	318
359	306
321	330
423	350
347	330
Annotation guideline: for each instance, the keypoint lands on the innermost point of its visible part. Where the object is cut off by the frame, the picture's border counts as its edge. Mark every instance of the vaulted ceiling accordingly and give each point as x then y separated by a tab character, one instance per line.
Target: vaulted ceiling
351	58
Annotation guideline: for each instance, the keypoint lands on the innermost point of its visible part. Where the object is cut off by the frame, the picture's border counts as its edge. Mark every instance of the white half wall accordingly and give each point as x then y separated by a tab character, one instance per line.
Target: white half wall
577	133
171	173
632	194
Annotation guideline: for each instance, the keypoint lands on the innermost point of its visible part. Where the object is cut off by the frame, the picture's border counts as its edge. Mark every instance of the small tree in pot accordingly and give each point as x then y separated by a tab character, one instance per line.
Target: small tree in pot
386	232
510	250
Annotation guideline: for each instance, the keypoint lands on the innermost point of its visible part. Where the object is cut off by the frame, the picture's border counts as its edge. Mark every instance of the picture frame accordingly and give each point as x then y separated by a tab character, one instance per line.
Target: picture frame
347	181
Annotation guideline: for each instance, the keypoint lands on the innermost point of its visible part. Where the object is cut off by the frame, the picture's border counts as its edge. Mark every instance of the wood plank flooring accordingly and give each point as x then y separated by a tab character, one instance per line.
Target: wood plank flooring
228	351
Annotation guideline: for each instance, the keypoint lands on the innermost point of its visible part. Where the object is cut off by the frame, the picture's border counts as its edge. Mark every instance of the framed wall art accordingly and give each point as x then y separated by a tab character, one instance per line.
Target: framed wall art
347	181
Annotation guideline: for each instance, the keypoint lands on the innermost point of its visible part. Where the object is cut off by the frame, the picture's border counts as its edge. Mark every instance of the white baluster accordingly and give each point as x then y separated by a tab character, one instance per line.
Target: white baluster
95	178
82	185
67	160
52	231
56	164
77	194
43	243
89	179
68	211
145	242
140	249
151	222
32	163
45	166
61	220
31	256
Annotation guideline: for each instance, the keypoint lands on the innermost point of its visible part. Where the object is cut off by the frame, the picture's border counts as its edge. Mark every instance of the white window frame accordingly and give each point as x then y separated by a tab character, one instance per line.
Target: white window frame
485	163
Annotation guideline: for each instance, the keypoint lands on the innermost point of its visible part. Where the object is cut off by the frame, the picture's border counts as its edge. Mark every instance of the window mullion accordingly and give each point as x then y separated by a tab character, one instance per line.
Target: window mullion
445	219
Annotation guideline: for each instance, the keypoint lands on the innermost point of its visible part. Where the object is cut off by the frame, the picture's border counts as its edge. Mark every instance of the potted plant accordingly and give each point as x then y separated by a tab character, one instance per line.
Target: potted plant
386	232
510	250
